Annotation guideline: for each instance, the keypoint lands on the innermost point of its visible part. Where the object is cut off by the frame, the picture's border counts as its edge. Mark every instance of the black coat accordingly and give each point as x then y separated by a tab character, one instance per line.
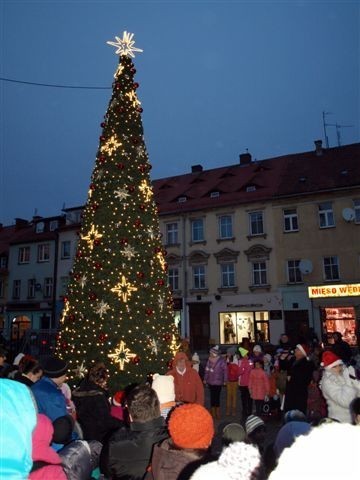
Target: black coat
343	350
93	411
127	453
296	392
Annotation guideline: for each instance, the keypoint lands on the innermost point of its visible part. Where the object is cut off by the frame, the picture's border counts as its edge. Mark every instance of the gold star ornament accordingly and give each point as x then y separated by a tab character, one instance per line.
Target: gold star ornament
121	355
124	289
91	236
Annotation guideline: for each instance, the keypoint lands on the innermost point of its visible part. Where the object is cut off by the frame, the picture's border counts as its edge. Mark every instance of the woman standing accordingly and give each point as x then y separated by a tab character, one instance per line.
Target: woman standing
245	368
215	377
338	388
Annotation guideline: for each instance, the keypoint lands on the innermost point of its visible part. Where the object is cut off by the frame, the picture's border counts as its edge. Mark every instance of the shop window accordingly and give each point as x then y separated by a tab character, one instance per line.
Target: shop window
339	319
290	220
234	326
326	215
331	268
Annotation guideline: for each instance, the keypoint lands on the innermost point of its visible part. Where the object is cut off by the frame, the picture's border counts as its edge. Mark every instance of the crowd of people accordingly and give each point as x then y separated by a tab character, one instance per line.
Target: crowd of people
169	428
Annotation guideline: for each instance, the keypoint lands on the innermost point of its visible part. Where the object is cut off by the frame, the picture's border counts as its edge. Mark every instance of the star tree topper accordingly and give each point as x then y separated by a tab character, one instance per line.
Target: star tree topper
125	45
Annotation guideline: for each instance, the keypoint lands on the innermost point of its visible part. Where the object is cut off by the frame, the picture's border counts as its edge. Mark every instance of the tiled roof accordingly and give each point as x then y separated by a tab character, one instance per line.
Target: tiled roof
6	234
259	180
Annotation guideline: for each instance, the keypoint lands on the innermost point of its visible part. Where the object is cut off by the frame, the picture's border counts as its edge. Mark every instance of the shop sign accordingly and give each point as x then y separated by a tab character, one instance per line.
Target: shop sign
321	291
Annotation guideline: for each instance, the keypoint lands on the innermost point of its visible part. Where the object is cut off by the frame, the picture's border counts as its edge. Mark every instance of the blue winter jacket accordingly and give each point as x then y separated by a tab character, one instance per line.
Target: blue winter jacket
49	398
17	421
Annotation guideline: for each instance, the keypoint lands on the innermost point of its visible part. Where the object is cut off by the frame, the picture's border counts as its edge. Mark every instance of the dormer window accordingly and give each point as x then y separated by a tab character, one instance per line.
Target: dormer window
40	227
53	225
214	194
251	188
182	199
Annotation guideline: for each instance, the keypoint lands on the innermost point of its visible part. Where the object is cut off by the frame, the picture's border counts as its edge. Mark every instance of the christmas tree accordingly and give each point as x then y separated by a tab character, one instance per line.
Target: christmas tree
118	308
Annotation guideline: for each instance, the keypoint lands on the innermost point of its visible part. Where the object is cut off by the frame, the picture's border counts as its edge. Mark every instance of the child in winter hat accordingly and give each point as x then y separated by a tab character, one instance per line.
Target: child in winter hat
165	390
238	461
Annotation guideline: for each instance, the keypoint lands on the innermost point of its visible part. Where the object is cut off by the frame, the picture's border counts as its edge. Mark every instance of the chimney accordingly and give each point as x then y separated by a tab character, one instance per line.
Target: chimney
196	168
245	158
20	223
318	148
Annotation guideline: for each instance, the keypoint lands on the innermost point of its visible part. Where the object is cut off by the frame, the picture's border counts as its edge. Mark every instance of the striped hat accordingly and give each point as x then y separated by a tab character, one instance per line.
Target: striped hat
252	423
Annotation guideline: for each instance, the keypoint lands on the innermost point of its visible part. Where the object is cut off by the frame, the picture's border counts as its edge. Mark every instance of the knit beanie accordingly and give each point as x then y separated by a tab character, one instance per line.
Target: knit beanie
63	427
54	367
238	461
294	416
330	360
252	423
191	426
164	387
215	350
257	348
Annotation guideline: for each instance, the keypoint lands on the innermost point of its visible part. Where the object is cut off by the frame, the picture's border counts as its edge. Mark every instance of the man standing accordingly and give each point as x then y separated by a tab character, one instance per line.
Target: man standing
127	453
188	385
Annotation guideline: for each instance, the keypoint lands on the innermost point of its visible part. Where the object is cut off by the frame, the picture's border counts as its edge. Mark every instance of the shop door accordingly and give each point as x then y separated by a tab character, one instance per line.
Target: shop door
199	319
296	325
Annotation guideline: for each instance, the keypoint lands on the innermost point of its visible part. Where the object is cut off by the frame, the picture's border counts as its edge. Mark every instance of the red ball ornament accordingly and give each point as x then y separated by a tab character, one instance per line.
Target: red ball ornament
66	298
102	138
102	337
98	265
137	223
120	109
97	242
140	274
135	141
94	206
102	124
92	296
140	109
133	71
157	249
131	188
79	254
160	282
64	345
169	365
72	317
77	276
142	168
124	241
136	85
92	186
117	86
136	360
149	311
167	337
142	206
120	166
102	158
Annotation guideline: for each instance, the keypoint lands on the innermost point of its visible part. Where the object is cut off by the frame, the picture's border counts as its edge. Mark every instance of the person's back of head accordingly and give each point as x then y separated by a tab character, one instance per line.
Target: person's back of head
233	432
98	374
143	404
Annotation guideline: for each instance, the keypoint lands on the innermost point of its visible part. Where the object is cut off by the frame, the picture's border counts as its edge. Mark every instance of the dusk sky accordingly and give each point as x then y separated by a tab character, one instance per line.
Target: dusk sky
216	78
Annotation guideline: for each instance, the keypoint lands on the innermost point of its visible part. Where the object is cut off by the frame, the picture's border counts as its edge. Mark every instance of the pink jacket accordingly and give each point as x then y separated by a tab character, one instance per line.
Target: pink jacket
245	368
259	385
41	451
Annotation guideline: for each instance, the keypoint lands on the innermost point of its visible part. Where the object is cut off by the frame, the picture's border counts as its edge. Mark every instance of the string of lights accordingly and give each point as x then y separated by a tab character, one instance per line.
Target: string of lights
53	85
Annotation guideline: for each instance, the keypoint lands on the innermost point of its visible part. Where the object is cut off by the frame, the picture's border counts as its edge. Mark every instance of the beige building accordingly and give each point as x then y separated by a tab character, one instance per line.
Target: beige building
245	242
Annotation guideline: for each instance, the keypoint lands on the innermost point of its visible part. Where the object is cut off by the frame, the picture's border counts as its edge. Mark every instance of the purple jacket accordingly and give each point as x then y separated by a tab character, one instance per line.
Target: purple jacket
216	373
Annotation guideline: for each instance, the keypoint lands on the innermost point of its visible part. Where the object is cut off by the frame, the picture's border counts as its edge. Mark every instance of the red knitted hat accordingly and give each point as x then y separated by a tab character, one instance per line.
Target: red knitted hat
329	360
191	426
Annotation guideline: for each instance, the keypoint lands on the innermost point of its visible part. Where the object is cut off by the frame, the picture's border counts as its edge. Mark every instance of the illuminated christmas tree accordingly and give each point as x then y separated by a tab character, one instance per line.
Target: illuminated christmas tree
119	308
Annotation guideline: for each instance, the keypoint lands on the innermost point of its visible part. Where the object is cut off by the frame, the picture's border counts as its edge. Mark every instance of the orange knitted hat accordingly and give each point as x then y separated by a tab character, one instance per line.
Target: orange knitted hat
191	426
